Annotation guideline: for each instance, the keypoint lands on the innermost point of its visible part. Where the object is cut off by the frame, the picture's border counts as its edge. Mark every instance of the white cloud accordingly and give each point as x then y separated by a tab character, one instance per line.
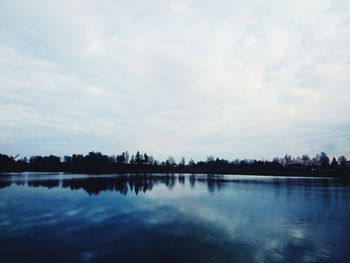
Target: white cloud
253	79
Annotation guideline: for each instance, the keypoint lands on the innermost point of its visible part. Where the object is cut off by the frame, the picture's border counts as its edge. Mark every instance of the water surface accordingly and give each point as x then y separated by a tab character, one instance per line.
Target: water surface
55	217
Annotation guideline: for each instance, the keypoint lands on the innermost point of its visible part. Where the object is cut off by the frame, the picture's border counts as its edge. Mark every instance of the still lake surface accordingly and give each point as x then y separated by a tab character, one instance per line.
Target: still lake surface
56	217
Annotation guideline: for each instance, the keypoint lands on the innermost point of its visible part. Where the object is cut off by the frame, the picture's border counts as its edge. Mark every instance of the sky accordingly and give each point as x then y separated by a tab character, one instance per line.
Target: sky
232	79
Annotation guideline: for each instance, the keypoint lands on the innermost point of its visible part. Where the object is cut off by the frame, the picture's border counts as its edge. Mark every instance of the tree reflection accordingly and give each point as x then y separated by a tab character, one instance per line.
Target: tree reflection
5	184
44	183
143	183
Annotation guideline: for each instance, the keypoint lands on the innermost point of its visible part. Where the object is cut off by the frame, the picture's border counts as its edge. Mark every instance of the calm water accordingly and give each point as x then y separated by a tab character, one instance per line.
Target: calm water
93	218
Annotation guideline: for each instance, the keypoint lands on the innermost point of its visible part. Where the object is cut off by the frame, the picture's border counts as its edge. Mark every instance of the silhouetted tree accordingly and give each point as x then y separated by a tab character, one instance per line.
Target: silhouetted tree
145	159
121	159
323	160
287	160
334	163
182	162
96	162
305	160
342	161
6	163
138	158
191	163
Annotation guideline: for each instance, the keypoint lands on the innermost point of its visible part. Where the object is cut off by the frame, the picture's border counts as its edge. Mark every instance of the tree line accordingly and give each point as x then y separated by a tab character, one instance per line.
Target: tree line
96	162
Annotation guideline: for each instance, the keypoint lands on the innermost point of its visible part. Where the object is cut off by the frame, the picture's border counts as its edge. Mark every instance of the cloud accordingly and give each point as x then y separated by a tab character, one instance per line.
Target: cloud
248	80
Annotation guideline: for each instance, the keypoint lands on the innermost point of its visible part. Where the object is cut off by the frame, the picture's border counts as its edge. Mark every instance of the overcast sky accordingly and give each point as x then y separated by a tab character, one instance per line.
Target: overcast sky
233	79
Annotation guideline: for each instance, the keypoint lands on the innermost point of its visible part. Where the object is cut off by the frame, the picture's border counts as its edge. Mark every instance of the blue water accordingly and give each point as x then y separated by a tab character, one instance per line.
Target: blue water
55	217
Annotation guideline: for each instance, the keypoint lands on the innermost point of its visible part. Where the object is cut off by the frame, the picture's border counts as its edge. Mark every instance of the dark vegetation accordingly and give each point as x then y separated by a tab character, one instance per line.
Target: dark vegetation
95	162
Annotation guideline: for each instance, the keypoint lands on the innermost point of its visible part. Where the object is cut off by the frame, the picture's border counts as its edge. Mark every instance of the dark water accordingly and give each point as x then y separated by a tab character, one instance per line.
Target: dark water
159	218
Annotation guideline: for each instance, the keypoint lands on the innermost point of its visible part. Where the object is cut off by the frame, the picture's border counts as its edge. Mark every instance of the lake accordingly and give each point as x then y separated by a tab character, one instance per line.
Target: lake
57	217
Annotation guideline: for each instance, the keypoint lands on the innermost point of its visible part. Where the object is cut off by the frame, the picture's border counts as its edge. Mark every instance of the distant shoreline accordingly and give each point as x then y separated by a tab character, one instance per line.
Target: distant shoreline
141	163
